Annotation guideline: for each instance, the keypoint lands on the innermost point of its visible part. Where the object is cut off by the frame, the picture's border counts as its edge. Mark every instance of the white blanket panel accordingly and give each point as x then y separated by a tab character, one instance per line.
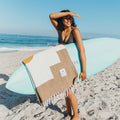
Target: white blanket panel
39	66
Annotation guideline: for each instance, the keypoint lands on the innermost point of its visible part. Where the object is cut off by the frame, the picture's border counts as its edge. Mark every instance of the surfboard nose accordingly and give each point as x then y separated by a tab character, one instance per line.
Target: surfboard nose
20	81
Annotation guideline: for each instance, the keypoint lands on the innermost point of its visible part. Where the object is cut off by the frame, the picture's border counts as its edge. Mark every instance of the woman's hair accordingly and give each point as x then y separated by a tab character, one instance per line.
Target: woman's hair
60	25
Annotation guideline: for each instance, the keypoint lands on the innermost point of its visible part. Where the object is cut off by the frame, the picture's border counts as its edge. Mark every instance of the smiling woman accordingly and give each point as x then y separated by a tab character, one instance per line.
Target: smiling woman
64	23
68	33
61	22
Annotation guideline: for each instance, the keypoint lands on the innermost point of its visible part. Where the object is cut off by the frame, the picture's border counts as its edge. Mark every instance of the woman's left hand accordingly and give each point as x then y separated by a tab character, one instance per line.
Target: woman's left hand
83	75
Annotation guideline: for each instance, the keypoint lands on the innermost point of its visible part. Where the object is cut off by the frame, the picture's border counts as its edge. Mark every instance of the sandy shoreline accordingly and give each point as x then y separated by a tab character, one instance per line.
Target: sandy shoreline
98	96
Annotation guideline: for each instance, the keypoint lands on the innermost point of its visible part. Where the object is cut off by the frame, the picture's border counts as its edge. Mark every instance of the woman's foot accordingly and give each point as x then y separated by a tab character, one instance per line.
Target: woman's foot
75	117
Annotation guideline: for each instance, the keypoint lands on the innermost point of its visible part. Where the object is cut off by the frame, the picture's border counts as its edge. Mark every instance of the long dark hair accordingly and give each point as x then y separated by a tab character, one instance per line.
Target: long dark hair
60	25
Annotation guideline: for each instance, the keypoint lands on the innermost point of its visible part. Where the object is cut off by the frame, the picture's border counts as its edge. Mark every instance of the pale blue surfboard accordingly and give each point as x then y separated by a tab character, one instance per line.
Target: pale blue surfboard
100	53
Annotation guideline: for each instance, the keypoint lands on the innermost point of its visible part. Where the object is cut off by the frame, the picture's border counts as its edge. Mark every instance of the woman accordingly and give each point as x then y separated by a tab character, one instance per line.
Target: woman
68	33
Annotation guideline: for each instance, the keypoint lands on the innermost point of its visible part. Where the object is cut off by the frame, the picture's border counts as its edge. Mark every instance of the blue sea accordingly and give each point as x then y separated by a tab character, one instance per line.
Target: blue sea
13	43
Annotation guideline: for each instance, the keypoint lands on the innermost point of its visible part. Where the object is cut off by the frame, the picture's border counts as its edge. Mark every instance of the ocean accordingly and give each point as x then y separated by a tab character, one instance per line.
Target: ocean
13	43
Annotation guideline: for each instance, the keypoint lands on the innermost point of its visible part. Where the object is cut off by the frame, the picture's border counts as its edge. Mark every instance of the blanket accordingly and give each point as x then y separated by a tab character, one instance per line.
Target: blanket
52	72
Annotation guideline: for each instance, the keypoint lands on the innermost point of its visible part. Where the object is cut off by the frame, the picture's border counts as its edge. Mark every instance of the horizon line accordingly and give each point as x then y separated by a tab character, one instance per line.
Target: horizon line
87	34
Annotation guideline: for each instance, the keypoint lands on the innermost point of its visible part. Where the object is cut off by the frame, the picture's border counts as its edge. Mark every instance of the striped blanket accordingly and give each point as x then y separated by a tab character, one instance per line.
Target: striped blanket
52	72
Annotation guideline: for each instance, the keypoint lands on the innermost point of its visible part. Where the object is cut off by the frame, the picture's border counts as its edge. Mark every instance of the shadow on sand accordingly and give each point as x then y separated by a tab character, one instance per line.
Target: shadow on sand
11	99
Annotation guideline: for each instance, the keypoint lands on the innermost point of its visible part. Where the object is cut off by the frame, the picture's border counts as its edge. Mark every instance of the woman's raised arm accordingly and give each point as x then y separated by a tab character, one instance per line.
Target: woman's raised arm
54	16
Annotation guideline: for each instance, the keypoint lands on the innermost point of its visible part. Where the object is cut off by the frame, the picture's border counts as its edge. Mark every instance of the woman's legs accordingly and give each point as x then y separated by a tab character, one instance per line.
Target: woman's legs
68	106
72	102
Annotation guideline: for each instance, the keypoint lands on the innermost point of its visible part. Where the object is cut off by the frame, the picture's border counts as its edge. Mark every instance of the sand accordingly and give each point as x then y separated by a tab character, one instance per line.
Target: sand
98	96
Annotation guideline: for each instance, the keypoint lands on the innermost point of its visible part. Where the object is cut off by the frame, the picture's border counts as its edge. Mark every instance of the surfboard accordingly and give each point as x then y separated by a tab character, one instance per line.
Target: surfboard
100	53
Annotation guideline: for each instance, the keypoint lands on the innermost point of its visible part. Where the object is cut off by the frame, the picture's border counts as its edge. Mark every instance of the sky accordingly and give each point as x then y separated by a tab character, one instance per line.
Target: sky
31	17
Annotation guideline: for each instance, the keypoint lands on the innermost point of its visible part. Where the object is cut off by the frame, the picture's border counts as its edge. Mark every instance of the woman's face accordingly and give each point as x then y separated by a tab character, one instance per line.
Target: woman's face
67	21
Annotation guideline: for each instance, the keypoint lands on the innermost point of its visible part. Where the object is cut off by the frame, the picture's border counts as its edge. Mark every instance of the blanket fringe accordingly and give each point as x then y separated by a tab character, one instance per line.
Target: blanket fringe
53	99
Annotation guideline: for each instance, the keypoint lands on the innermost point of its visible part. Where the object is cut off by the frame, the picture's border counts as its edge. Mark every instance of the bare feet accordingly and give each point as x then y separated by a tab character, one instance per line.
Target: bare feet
75	117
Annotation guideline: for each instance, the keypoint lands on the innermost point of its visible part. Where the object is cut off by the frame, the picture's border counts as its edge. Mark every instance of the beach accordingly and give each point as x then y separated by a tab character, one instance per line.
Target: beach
98	96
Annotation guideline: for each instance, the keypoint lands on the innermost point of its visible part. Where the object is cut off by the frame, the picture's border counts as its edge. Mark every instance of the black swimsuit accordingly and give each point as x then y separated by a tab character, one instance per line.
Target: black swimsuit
71	39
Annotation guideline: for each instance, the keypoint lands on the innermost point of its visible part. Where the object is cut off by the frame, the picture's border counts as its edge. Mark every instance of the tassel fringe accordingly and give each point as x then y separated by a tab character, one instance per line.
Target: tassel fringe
54	99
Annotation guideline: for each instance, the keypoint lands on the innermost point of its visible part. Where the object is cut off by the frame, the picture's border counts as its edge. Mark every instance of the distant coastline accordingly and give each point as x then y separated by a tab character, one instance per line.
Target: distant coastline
98	35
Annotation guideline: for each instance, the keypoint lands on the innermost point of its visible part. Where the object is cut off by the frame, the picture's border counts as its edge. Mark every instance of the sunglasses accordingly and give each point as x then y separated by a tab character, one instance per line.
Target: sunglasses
67	17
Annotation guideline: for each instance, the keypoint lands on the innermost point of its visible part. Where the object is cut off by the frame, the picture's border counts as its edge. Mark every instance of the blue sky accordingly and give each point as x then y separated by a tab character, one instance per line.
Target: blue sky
31	17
